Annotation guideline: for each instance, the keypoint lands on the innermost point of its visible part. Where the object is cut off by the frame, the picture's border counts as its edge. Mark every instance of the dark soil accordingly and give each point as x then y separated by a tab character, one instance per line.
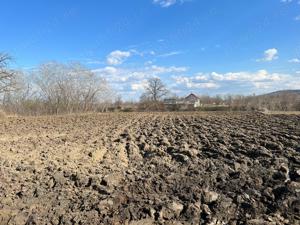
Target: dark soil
151	168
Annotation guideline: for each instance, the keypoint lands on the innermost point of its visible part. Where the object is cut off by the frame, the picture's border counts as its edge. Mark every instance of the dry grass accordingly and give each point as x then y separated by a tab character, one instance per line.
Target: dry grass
2	114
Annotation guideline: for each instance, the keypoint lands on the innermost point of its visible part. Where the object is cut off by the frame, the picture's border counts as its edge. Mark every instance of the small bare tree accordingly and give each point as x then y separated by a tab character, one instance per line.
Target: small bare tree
7	77
155	90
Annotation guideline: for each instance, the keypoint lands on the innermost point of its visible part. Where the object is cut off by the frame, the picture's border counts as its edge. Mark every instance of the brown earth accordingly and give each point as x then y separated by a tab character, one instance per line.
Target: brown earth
150	168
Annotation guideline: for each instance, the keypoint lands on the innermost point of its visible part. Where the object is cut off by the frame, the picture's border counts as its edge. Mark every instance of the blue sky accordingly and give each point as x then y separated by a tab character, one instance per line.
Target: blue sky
202	46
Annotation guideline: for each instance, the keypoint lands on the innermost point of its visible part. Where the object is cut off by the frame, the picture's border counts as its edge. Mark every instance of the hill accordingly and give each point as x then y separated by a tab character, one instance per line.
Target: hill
282	92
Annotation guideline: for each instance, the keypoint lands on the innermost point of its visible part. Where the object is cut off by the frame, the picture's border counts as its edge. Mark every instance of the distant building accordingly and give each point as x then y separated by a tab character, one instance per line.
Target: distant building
192	99
189	102
170	101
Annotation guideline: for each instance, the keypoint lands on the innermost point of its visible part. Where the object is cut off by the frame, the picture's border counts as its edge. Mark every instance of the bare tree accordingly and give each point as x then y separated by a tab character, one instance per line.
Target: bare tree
150	100
155	90
67	88
7	77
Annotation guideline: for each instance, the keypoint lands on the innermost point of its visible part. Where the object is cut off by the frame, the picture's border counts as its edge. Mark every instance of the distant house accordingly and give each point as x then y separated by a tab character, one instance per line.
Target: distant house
189	102
192	99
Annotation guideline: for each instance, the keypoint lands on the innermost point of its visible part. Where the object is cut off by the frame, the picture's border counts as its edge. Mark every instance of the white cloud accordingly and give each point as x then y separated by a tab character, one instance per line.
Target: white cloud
170	54
109	70
94	62
161	70
262	85
270	55
131	80
117	57
200	76
261	75
164	3
208	85
195	82
286	1
297	18
295	60
244	81
139	86
293	85
148	63
112	74
168	3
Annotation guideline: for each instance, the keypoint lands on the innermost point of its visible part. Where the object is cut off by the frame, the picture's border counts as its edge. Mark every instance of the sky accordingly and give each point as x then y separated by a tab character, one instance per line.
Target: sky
200	46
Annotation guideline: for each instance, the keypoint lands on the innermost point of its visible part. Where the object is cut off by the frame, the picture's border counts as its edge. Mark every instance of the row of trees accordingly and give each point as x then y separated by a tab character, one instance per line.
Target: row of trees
53	88
56	88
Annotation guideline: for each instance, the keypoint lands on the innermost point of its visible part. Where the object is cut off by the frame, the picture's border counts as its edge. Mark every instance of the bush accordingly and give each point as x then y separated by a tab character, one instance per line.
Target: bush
127	110
150	106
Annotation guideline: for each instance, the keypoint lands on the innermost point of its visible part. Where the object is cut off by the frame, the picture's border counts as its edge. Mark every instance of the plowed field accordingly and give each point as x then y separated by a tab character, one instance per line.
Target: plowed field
150	168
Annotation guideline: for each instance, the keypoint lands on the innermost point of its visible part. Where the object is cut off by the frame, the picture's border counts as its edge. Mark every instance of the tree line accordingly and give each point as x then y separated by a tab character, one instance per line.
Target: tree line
62	88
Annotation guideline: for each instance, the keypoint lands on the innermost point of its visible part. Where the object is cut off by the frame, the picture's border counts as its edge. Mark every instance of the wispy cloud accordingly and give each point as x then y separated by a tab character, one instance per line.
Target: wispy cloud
295	60
164	3
297	18
168	3
109	70
286	1
270	55
170	54
160	69
95	62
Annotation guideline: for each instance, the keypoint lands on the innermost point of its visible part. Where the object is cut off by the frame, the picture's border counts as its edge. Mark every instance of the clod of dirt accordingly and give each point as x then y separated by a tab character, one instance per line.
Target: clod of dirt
180	157
112	180
98	154
210	196
171	210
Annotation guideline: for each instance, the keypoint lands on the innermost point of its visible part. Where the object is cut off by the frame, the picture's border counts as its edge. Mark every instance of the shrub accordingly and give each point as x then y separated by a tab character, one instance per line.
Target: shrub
214	108
127	110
